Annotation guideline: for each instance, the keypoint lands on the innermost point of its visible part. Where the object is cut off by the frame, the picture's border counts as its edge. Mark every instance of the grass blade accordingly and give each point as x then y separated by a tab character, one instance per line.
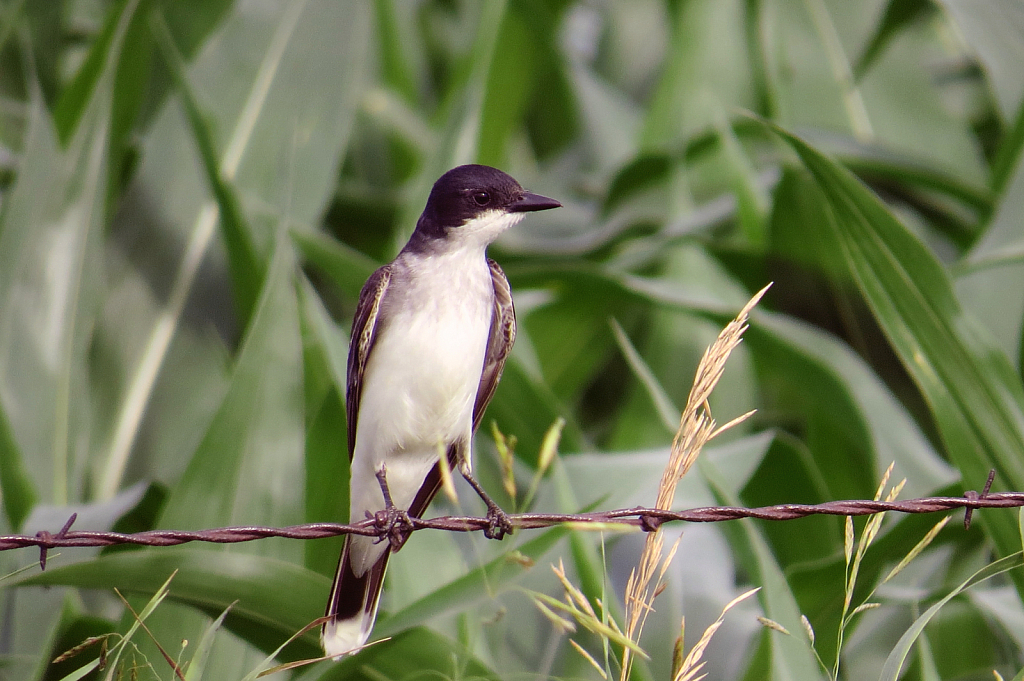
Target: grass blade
18	492
197	664
972	390
247	269
894	663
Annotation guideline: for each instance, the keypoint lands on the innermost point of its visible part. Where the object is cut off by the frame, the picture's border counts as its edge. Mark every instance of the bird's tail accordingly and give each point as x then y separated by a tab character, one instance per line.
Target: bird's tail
352	607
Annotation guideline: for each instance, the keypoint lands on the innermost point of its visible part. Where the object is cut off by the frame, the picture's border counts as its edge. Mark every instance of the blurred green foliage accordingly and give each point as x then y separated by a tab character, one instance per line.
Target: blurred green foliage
192	193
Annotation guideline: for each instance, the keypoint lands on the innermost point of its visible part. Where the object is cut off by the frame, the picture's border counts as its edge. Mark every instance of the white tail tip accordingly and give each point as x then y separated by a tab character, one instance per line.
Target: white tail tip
343	637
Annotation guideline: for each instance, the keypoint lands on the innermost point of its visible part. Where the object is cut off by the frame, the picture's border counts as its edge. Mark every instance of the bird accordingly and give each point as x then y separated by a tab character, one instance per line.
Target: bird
430	336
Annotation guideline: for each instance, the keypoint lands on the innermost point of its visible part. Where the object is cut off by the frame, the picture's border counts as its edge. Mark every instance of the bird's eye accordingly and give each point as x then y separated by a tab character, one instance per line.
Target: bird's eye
482	198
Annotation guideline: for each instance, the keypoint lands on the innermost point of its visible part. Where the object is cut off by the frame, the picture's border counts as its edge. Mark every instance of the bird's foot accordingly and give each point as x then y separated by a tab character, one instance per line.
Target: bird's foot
498	522
392	523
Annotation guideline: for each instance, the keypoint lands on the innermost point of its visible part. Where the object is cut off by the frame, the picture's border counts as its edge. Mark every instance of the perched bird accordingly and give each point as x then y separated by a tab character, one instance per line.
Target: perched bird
431	333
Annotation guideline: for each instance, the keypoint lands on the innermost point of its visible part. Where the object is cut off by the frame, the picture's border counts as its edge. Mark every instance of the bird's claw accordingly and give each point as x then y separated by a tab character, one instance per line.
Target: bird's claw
393	525
498	523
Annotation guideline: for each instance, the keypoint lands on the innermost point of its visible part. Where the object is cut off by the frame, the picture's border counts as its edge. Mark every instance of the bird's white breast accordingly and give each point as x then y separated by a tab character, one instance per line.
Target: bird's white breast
423	374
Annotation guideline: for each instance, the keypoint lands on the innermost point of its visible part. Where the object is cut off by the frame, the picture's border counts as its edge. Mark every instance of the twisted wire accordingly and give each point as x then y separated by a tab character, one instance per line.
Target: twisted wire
644	518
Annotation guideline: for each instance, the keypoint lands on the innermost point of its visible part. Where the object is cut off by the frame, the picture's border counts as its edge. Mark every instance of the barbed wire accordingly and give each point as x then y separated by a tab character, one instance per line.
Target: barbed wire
644	518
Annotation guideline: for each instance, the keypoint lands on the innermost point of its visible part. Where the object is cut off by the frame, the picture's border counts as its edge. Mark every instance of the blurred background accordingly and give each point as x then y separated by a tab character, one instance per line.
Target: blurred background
193	192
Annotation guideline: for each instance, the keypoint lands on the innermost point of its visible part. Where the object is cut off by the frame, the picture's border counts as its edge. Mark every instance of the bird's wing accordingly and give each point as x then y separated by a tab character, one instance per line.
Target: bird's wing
364	334
499	342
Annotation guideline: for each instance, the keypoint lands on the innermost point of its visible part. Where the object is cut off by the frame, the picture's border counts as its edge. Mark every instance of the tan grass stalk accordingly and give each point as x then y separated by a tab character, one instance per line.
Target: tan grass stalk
589	658
773	625
808	629
545	457
696	427
578	606
447	483
506	454
854	558
691	667
918	548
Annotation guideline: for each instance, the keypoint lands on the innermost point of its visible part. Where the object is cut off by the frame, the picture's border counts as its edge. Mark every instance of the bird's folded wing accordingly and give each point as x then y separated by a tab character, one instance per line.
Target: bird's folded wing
364	334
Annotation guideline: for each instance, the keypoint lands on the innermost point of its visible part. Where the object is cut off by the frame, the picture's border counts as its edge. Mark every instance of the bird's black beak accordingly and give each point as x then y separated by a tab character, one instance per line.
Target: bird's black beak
531	202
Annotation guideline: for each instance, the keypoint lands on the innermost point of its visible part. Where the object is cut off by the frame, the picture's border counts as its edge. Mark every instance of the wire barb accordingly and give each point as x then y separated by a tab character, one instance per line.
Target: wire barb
48	541
629	517
971	494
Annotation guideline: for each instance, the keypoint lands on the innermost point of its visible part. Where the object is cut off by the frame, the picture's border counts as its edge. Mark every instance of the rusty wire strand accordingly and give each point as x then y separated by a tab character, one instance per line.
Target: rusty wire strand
628	516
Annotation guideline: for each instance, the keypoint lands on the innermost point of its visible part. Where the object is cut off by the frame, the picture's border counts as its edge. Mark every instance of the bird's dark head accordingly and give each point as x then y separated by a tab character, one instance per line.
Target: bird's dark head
475	203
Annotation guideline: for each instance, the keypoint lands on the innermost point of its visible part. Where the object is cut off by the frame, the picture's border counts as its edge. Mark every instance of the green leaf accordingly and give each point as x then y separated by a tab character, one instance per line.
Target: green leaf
959	639
327	479
668	412
140	87
82	672
141	517
246	266
791	656
1009	154
278	159
699	35
525	406
828	372
610	119
347	268
417	652
395	50
571	338
191	24
827	376
44	31
899	14
53	223
996	264
757	34
275	598
247	469
994	29
508	87
18	492
907	174
74	634
327	461
137	618
472	588
973	393
326	346
752	203
197	665
244	469
103	59
894	663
